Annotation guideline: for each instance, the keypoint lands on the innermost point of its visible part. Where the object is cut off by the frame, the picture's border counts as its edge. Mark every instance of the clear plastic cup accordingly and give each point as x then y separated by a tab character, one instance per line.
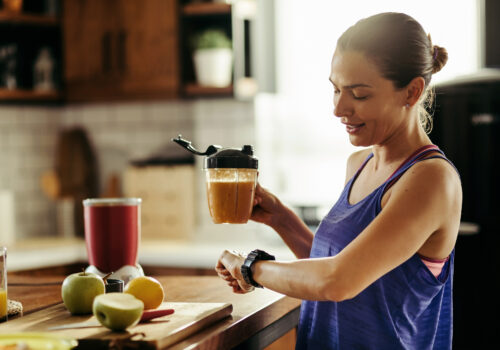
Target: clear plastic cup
3	284
230	193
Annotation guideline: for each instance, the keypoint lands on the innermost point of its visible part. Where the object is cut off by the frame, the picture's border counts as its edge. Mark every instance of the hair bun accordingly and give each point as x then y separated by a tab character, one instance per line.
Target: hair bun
439	58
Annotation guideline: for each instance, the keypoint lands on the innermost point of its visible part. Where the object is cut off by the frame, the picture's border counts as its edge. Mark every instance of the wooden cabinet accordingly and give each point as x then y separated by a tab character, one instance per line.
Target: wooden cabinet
150	47
120	49
111	50
87	26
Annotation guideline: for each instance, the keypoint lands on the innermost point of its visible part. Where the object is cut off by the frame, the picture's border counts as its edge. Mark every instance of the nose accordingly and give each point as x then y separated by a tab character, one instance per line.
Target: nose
342	107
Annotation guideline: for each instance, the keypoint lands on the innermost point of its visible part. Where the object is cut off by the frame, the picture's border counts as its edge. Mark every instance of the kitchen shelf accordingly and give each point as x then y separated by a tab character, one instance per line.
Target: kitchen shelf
196	17
28	95
25	18
202	9
195	90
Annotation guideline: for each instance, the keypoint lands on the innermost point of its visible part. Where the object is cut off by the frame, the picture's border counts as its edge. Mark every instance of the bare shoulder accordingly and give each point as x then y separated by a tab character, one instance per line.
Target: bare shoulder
434	174
432	191
435	183
354	162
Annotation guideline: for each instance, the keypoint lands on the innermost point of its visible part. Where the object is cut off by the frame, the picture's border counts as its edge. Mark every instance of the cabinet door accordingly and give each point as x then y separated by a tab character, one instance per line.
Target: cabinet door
148	48
88	30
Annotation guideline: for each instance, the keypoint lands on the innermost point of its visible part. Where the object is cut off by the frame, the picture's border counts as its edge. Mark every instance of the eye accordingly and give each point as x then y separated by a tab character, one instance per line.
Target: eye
362	97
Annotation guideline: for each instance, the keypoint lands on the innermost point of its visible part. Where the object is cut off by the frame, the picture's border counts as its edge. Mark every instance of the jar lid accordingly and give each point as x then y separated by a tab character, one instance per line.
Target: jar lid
233	158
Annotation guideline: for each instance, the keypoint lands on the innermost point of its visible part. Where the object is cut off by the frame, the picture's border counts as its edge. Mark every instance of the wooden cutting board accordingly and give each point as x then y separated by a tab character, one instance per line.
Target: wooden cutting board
158	333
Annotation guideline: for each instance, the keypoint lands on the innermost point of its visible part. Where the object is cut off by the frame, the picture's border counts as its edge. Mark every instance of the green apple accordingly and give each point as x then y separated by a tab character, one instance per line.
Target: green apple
79	290
117	311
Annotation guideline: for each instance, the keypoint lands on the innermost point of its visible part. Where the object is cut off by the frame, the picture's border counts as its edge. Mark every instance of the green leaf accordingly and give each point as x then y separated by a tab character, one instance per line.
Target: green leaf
211	39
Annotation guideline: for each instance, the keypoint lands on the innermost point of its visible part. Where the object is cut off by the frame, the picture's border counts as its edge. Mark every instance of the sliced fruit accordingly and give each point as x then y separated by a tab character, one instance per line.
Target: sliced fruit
117	311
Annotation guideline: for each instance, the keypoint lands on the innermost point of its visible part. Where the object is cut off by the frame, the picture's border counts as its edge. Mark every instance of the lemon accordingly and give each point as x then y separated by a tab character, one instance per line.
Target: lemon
147	289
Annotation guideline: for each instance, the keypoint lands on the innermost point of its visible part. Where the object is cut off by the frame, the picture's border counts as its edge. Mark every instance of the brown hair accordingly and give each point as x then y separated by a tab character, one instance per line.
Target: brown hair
399	47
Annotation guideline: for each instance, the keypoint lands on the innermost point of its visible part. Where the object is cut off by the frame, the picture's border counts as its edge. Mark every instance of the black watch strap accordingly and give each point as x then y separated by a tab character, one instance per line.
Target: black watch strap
246	268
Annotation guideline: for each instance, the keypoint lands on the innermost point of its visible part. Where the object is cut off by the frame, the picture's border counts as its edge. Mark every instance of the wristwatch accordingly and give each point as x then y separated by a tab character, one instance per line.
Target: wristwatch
246	268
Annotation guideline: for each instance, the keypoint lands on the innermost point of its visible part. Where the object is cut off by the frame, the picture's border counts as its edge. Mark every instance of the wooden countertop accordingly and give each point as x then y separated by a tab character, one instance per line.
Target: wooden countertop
258	318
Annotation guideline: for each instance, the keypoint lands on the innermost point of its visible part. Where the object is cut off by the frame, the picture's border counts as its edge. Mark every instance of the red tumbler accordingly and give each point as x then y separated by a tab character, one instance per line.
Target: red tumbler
112	232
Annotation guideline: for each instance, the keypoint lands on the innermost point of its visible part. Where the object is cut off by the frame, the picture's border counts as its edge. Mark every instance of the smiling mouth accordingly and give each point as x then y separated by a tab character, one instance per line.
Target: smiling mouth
352	128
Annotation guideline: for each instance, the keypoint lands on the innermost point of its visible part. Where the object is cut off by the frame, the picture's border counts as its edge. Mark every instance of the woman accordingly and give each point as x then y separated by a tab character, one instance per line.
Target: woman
378	272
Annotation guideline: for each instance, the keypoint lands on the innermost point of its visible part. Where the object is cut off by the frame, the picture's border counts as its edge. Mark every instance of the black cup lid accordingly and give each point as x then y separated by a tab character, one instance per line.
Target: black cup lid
233	158
218	157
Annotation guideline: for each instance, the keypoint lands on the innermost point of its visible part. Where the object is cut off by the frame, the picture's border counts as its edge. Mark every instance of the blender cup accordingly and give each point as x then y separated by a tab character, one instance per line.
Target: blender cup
231	178
112	232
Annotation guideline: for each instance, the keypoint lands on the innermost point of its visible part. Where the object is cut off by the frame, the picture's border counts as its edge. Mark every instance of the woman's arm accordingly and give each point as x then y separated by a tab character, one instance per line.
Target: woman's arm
269	210
427	199
294	232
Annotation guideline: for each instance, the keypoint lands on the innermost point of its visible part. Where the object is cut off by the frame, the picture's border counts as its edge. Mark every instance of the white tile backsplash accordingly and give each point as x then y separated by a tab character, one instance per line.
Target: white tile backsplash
119	132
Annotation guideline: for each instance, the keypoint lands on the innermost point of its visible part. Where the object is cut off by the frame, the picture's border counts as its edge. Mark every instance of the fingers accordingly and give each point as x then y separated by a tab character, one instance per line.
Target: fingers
225	276
258	188
240	288
226	265
245	287
223	272
237	288
261	191
257	199
219	267
228	268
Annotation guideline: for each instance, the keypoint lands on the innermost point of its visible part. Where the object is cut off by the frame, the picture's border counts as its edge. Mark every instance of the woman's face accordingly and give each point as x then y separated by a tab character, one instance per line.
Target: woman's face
368	104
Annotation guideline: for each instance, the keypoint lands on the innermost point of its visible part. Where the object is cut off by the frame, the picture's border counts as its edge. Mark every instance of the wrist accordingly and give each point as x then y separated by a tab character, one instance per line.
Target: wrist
248	267
280	219
253	269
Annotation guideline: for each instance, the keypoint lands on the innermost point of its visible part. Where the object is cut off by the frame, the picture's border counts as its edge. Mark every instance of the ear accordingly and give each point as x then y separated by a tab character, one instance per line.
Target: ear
414	90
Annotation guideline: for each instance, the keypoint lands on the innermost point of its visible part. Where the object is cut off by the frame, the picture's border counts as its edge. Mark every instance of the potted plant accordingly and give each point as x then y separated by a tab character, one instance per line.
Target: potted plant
213	58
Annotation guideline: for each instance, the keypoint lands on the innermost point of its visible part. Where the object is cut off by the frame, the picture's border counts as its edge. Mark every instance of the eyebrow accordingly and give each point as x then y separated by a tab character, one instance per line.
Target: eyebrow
352	86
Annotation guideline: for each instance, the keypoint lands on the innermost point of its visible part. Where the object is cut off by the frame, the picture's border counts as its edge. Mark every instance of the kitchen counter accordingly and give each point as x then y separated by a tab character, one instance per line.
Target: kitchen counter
258	318
41	253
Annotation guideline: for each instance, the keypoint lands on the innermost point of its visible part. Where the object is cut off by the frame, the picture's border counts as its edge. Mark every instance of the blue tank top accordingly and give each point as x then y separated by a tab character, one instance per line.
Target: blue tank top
407	308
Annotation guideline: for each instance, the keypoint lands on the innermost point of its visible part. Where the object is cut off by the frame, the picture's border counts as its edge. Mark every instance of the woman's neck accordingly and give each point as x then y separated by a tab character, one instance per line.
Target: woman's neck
400	145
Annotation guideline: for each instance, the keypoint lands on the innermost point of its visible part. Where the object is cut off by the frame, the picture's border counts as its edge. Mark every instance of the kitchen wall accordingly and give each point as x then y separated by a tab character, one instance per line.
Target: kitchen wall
27	139
119	132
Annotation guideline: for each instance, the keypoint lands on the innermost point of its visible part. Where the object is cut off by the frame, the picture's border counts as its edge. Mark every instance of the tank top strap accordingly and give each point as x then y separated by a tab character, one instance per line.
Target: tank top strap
417	156
370	156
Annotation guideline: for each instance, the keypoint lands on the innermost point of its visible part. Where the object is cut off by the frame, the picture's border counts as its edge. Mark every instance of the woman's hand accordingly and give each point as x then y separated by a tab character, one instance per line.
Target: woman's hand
266	206
229	269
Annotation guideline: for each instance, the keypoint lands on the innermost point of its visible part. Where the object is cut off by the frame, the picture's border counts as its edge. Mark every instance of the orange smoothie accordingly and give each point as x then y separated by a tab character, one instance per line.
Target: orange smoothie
230	202
3	304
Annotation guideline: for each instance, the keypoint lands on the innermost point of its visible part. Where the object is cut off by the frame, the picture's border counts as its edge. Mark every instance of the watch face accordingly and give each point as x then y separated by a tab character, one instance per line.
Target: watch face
253	254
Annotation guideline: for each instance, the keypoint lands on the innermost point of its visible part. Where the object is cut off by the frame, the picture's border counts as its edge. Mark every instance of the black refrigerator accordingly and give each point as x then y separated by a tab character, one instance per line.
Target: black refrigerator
467	129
